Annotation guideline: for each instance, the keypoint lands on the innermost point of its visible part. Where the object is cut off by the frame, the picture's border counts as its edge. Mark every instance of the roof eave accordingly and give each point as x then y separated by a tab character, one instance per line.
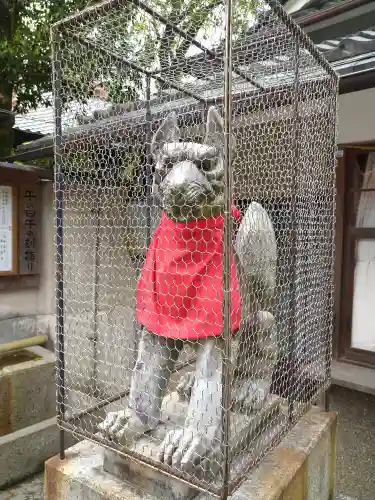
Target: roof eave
42	173
310	19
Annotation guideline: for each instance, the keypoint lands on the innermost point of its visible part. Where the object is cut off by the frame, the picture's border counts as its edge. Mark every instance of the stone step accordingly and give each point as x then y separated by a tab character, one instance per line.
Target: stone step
24	452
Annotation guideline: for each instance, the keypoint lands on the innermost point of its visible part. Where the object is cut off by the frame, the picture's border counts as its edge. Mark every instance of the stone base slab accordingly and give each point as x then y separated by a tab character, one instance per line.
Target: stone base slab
244	429
301	467
24	452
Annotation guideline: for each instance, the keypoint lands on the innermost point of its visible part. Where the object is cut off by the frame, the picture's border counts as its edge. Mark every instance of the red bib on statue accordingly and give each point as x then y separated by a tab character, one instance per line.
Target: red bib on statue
180	291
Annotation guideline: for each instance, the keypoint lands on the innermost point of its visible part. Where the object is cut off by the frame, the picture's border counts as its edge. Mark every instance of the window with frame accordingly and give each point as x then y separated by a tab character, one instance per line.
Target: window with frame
357	336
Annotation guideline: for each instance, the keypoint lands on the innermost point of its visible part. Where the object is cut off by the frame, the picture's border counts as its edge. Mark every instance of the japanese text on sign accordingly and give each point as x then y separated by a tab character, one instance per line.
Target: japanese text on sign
6	243
29	231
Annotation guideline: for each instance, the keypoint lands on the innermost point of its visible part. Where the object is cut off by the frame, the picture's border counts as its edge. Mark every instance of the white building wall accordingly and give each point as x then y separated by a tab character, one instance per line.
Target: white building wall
357	117
27	306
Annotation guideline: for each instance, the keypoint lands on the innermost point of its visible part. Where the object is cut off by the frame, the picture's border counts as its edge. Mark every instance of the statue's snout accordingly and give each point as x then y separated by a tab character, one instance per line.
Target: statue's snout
186	185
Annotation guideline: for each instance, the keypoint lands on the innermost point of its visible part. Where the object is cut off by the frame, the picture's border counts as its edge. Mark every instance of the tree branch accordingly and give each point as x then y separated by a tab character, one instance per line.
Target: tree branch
169	34
193	28
5	19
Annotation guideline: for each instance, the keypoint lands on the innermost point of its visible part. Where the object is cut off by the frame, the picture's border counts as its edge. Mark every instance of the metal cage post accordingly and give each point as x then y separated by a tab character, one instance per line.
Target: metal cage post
293	240
59	181
147	176
148	169
95	336
226	385
328	353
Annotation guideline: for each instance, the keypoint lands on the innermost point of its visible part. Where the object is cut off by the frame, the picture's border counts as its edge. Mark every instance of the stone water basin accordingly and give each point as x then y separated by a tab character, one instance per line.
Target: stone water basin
27	388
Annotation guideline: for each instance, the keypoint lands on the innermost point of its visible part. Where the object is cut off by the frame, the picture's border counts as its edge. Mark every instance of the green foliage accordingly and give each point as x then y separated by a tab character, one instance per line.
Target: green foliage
25	52
157	46
25	47
120	92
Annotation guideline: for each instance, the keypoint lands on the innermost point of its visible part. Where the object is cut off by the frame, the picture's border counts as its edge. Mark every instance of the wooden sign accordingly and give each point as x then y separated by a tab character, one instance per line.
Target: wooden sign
7	230
29	228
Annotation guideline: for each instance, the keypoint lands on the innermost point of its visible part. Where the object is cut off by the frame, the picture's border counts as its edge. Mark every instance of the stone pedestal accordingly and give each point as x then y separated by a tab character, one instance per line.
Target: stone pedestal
244	429
301	467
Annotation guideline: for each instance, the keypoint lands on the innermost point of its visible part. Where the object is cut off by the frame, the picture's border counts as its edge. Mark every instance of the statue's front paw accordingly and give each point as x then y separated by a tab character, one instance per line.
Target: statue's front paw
123	426
113	422
252	394
185	386
191	451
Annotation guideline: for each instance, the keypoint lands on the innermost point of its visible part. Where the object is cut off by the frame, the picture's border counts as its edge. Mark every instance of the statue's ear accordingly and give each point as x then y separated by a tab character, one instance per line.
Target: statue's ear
215	129
167	132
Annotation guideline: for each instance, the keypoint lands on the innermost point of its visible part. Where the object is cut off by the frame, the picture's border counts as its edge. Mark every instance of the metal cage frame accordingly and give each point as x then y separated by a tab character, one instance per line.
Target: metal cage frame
231	107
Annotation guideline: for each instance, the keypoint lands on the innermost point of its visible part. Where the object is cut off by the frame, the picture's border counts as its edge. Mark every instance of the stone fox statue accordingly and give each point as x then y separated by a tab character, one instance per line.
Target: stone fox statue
179	300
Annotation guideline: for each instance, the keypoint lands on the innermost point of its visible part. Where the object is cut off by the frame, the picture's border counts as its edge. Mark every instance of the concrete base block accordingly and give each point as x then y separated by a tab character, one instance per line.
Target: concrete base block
27	388
24	452
301	467
244	429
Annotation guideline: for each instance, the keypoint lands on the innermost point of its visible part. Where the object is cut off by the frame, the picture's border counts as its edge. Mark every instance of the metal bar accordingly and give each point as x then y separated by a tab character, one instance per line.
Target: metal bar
155	465
116	397
184	68
226	374
118	4
293	241
59	187
96	303
98	9
301	36
148	180
169	24
326	398
328	352
192	40
179	67
252	44
90	45
149	160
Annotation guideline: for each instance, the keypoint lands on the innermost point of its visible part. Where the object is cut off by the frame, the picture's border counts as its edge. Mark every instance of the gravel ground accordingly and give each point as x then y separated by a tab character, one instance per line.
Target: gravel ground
30	489
355	469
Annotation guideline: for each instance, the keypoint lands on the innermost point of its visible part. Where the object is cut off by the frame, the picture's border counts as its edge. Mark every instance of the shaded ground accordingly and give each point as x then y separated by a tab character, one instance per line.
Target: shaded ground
31	489
355	470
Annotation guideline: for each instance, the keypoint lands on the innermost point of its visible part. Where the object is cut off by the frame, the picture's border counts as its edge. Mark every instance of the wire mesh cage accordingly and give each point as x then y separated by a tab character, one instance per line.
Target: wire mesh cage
194	154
